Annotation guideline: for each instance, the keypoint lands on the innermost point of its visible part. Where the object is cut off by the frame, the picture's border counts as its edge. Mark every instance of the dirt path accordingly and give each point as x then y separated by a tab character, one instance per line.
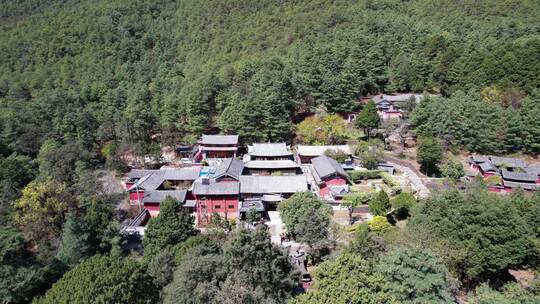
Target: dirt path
405	163
112	185
411	174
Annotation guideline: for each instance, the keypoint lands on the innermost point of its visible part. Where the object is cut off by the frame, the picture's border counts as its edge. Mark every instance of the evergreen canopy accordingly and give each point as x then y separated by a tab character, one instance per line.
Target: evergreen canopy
103	279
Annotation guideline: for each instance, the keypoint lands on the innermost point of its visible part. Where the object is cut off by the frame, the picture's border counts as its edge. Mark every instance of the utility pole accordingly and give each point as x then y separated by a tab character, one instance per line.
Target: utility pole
138	196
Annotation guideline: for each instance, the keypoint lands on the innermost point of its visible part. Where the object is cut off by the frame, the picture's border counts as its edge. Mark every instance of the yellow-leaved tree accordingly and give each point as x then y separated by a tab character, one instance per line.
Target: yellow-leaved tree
40	210
322	130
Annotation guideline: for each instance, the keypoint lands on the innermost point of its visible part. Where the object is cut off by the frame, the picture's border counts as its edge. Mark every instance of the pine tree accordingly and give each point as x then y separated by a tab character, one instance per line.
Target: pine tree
103	279
74	245
172	226
368	119
416	275
530	111
380	204
429	154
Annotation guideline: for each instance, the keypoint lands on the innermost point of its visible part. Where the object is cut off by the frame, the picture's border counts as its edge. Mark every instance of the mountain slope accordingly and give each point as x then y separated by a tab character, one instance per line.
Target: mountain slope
95	71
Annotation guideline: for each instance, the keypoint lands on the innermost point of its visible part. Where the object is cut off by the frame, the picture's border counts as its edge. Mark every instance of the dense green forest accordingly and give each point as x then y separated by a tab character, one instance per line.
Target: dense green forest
82	82
98	72
472	122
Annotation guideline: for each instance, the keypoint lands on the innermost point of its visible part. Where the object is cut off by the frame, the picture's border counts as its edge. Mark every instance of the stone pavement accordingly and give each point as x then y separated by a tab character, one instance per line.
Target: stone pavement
412	179
275	225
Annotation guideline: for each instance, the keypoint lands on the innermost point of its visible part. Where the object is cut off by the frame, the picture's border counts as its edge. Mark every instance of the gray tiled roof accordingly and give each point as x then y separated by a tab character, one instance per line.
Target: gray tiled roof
269	149
139	173
216	188
219	148
508	161
382	102
273	184
325	166
319	150
339	191
151	181
272	198
488	167
518	176
190	203
479	158
378	98
386	167
271	164
247	205
140	218
219	139
189	173
159	196
157	177
526	186
230	167
398	97
533	169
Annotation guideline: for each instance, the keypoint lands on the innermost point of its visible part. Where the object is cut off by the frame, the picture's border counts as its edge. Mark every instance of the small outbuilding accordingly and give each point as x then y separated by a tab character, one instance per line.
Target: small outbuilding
327	172
307	153
217	146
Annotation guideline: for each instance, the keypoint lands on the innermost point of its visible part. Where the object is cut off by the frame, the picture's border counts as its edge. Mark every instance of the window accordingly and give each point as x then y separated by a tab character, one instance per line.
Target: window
231	206
217	207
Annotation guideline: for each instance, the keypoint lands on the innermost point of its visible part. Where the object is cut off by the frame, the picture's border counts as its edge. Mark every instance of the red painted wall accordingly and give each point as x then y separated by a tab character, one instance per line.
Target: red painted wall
198	156
151	206
219	154
323	190
386	115
494	189
508	189
133	195
218	204
336	181
306	159
474	168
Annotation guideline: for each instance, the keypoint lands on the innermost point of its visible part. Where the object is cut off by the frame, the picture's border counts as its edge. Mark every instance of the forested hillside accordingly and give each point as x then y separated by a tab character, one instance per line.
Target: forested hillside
83	82
102	72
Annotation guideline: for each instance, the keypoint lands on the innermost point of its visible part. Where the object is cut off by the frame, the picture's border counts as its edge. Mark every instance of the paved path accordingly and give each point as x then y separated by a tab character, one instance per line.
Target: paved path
415	181
275	226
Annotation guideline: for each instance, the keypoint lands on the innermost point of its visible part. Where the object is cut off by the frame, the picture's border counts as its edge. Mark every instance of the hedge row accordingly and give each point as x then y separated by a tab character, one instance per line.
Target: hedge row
359	175
389	180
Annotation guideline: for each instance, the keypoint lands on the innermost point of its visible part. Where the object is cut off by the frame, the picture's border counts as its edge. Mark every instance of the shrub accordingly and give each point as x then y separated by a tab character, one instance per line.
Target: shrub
370	153
359	198
389	180
338	155
379	225
402	204
167	185
452	170
358	175
380	204
351	228
395	190
493	180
